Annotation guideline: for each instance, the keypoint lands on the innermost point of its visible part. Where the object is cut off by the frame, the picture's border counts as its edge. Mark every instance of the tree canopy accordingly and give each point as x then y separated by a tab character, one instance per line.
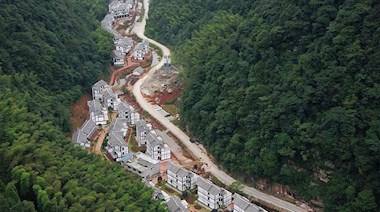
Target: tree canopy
285	90
50	52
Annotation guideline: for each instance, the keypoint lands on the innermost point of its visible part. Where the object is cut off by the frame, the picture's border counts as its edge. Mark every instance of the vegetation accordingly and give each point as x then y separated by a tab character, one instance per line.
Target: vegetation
50	52
285	90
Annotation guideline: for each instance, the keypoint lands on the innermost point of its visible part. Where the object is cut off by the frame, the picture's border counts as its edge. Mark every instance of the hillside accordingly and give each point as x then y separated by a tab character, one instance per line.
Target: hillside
283	90
50	53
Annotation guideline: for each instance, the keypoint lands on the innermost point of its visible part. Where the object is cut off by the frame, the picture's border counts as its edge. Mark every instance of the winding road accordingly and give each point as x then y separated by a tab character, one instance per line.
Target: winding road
139	29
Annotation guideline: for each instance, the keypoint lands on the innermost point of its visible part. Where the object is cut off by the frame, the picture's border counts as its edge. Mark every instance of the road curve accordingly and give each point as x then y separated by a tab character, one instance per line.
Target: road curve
139	29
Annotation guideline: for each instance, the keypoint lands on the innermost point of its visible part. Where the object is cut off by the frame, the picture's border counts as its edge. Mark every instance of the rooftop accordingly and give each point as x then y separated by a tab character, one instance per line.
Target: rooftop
79	137
141	162
175	205
88	127
209	186
116	139
245	204
109	94
99	84
117	54
94	105
179	171
119	124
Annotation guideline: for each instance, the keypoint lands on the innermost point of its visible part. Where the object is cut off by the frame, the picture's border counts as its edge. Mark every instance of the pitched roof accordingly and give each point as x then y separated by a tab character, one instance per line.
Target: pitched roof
94	105
141	125
245	204
116	139
123	107
99	84
117	54
175	205
139	70
108	94
179	171
118	124
152	140
79	137
124	41
208	186
88	127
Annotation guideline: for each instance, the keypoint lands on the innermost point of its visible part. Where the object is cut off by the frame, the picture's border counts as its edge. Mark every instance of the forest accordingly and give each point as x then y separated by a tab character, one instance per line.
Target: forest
287	91
50	53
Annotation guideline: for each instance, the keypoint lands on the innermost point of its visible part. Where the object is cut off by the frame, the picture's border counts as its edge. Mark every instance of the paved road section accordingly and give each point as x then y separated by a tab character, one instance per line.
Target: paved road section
139	29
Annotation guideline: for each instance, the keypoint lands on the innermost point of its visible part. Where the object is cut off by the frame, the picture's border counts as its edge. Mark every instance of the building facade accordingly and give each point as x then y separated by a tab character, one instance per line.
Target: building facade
211	195
180	178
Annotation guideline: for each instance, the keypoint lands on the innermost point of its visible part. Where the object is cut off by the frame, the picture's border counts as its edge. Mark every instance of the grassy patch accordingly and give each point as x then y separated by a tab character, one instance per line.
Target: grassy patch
133	145
168	189
216	181
170	108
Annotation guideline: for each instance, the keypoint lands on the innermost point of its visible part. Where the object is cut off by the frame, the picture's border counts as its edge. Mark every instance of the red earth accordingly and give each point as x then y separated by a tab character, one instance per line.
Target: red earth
79	111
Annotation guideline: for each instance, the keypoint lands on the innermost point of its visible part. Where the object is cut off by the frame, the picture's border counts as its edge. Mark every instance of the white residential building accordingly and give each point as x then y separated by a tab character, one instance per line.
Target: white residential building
110	99
138	71
124	44
116	145
120	9
98	89
211	195
175	205
127	111
118	58
140	50
141	164
242	204
83	135
142	131
98	114
180	178
156	148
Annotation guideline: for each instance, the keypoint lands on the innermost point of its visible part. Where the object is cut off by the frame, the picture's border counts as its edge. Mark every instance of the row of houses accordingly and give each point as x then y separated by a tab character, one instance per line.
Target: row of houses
155	146
209	194
124	45
103	99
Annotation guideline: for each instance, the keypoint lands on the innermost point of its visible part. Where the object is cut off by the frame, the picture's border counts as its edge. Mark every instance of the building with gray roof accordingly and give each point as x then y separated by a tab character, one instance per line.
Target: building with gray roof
118	58
211	195
242	204
180	178
80	139
116	145
98	89
83	135
142	131
120	9
110	99
124	44
156	148
138	71
142	165
98	114
175	205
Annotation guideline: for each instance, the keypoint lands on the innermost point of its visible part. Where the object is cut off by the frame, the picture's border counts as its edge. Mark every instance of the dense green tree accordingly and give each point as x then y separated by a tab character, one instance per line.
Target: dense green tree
285	90
50	53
